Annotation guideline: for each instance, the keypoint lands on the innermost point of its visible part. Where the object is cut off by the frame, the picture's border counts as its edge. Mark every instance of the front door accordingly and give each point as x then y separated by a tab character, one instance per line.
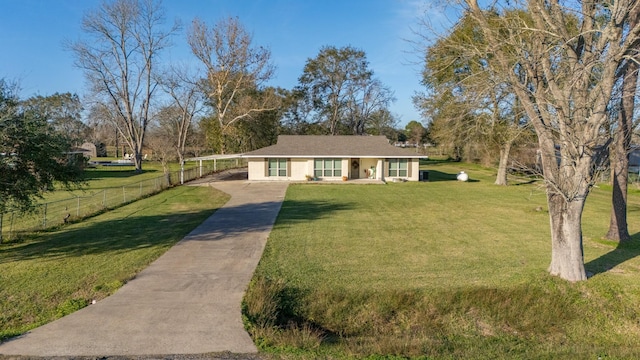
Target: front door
355	168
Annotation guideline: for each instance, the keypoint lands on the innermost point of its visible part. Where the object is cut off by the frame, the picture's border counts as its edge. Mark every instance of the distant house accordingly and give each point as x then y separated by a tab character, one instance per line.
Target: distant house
298	157
88	150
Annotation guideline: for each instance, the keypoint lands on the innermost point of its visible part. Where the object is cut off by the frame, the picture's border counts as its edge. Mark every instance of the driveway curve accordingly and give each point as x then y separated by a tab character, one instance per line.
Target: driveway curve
186	302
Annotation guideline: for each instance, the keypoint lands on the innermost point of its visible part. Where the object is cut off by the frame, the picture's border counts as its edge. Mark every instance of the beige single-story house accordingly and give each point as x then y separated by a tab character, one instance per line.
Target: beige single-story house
323	157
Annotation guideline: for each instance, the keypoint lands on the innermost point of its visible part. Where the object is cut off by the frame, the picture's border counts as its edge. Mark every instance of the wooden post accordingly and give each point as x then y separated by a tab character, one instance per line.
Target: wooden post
181	173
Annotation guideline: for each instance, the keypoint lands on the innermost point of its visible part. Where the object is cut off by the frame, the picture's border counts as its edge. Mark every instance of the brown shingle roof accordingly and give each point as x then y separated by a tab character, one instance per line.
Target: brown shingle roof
332	146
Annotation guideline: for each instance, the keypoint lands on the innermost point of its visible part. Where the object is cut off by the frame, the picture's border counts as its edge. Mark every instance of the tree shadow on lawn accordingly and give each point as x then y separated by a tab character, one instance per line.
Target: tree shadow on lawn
136	231
624	251
252	218
93	174
129	233
435	175
295	211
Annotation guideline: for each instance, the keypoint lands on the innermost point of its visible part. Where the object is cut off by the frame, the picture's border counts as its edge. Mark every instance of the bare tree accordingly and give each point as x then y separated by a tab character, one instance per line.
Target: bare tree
563	61
365	100
162	144
104	123
119	55
235	69
621	145
176	119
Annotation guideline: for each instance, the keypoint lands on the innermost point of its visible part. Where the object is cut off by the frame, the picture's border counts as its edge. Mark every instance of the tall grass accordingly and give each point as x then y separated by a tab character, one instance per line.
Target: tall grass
440	270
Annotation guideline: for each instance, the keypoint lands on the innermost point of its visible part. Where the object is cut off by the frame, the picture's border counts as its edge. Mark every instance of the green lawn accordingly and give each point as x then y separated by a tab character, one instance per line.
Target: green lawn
442	269
45	276
104	187
104	177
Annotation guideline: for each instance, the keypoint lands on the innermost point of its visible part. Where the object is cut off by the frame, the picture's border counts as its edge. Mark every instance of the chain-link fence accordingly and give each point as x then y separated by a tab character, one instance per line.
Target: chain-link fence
55	213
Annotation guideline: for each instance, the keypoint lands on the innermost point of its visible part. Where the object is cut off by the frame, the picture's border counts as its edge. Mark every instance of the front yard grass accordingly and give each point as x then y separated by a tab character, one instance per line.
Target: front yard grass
48	275
442	269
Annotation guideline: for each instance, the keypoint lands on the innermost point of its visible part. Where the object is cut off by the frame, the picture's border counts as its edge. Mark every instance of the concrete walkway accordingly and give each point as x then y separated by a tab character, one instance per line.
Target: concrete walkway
186	302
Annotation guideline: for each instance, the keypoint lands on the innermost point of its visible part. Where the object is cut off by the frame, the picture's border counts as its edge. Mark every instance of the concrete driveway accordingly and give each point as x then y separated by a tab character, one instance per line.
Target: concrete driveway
186	302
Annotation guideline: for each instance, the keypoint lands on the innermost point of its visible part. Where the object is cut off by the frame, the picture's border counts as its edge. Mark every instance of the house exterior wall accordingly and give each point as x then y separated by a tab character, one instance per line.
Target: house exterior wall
297	170
414	170
257	169
300	169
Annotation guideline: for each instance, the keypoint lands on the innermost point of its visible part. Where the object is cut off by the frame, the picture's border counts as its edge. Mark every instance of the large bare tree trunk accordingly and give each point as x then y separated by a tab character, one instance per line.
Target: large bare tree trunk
137	160
618	229
567	177
501	178
567	259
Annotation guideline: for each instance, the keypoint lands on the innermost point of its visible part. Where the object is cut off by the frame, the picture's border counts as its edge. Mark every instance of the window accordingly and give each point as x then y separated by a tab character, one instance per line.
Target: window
398	167
277	167
327	167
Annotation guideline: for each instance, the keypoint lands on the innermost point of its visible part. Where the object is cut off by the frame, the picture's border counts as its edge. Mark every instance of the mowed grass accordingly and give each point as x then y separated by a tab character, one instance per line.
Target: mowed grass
105	177
48	275
442	269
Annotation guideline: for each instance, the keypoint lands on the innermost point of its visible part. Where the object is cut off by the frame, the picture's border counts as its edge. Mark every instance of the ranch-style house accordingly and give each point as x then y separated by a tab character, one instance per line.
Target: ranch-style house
323	157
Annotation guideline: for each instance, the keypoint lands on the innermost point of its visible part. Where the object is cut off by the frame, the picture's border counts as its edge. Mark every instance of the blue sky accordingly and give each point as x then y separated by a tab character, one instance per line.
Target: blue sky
32	33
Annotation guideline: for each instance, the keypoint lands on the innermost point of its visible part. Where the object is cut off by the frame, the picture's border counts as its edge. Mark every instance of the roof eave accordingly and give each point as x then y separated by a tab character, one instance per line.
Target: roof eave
335	156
